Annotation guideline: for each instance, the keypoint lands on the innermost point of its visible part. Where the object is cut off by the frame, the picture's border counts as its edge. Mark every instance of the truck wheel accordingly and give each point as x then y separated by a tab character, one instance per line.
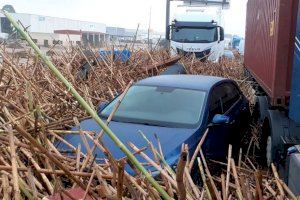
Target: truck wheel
256	117
265	144
269	151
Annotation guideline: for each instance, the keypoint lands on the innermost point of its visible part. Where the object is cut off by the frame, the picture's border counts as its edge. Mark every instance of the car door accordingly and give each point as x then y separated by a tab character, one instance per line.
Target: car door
232	103
225	99
237	108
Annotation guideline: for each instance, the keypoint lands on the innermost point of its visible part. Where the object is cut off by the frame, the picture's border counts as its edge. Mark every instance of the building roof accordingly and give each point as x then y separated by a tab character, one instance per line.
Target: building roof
197	82
76	32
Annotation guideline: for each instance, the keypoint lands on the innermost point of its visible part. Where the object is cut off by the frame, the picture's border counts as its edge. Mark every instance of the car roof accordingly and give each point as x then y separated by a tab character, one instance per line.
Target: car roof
197	82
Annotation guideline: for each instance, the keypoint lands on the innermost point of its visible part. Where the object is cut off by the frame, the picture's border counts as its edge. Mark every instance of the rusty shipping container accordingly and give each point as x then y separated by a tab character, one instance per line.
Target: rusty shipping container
269	45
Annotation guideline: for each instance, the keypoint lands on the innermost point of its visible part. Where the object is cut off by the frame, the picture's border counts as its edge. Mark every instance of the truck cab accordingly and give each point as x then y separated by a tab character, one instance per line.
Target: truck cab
204	39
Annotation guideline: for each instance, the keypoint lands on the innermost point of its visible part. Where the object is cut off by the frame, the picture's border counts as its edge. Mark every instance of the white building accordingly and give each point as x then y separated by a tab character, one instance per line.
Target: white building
46	24
46	30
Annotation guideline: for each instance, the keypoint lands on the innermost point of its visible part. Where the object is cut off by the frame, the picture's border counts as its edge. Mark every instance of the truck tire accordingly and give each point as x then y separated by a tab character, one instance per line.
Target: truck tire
265	144
260	110
174	69
272	131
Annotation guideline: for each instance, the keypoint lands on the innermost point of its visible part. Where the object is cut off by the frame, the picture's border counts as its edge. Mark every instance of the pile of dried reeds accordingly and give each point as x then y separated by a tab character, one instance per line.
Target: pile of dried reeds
228	68
37	110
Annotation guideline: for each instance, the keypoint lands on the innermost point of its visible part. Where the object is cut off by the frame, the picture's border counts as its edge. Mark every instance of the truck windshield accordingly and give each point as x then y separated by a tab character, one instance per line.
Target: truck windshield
194	35
159	106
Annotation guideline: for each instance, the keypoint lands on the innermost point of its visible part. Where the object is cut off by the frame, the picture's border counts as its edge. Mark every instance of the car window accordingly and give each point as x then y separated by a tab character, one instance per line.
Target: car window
231	95
222	98
216	106
158	105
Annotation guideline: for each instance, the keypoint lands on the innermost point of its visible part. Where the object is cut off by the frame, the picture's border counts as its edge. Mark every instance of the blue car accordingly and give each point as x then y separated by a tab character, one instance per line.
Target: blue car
178	109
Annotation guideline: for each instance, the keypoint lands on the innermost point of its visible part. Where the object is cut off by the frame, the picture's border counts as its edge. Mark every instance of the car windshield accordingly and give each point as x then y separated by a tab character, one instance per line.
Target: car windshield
194	35
160	106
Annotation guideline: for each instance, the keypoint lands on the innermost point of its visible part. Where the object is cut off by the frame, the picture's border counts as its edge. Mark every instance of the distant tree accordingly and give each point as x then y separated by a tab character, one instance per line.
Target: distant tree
9	8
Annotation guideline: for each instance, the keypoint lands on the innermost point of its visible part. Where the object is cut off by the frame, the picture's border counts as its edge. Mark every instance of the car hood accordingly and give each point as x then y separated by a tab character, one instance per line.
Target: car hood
171	139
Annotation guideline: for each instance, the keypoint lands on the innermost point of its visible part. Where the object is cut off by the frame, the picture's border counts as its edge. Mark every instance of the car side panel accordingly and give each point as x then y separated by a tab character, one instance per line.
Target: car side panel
221	136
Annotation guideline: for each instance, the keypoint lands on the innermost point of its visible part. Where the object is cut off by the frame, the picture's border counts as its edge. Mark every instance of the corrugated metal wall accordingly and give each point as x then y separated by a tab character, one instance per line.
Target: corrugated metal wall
269	45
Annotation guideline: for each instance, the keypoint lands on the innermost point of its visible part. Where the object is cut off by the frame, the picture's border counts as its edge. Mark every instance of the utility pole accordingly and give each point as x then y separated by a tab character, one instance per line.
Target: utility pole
149	27
168	23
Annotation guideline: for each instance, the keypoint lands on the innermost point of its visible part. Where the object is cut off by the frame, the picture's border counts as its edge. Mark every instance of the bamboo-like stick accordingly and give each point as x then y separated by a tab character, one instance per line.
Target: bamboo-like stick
24	188
32	183
22	165
252	165
215	190
288	190
111	115
192	184
198	149
5	185
88	185
159	155
243	187
204	178
275	173
57	172
228	171
258	182
53	148
65	142
151	194
121	166
242	169
179	175
78	151
158	167
86	106
17	194
134	182
269	188
103	184
223	183
51	157
237	183
36	166
158	159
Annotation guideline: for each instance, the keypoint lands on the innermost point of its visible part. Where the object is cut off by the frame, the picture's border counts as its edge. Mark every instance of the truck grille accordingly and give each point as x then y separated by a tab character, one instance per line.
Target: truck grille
202	54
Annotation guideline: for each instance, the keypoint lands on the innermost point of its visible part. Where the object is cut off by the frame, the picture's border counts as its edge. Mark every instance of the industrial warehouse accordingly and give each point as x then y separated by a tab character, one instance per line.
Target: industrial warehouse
46	30
173	99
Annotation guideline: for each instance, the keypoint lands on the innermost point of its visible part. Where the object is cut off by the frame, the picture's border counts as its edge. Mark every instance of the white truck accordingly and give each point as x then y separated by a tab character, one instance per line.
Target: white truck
196	31
204	39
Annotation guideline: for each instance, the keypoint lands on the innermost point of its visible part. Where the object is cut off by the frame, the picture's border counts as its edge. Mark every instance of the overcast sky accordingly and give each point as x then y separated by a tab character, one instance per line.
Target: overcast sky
121	13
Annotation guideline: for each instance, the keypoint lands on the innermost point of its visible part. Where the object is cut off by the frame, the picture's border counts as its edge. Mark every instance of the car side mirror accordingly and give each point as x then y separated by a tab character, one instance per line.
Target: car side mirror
220	119
101	106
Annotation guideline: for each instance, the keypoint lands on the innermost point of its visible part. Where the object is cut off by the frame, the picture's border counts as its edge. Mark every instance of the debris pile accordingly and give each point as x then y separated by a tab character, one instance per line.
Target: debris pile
228	68
37	110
